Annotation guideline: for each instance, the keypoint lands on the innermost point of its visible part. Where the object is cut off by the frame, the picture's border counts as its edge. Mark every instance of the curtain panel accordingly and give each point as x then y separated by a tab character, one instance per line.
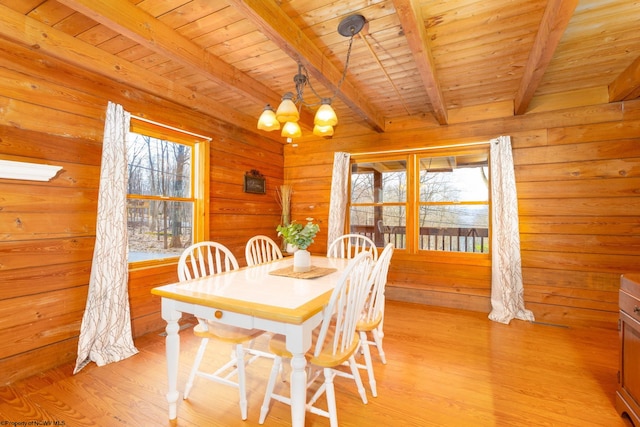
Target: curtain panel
507	291
339	196
105	333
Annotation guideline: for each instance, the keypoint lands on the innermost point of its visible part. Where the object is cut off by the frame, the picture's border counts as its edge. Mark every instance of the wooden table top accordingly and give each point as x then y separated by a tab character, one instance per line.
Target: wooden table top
253	291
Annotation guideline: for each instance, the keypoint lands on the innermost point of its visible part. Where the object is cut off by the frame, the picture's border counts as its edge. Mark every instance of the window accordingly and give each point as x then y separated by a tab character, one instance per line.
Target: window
454	203
379	200
165	203
428	201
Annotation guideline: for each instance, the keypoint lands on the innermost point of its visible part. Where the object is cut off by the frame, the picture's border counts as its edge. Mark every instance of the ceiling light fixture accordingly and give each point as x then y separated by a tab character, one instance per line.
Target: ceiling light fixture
288	112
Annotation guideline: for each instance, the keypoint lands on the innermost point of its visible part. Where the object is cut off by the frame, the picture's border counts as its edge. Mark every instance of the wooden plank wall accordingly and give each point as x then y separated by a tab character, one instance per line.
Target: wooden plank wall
578	178
577	173
52	113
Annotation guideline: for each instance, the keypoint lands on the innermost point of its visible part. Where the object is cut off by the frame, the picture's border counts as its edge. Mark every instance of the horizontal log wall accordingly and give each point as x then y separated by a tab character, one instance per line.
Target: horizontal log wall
577	173
52	113
578	179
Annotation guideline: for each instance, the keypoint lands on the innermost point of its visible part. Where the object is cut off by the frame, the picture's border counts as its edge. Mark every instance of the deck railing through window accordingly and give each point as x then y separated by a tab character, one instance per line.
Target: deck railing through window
450	239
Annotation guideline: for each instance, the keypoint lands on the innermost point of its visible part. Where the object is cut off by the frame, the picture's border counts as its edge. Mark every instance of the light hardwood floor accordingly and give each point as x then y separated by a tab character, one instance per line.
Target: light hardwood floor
445	368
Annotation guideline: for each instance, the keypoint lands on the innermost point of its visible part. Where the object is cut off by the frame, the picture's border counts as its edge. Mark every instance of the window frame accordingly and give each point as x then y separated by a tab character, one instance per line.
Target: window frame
199	182
413	203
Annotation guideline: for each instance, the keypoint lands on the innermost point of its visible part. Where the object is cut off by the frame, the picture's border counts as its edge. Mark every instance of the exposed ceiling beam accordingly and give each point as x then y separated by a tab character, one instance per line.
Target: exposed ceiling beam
272	21
627	85
36	35
554	22
414	29
125	18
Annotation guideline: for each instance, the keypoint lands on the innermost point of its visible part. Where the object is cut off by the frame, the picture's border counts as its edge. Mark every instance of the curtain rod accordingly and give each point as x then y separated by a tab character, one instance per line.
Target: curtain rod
410	150
142	119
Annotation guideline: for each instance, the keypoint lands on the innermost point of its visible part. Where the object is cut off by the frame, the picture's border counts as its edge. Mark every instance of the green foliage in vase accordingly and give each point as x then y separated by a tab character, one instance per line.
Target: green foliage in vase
297	234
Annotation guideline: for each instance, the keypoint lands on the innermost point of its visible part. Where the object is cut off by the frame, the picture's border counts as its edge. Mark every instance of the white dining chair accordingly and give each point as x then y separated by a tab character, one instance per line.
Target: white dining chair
334	342
205	259
372	316
350	245
261	249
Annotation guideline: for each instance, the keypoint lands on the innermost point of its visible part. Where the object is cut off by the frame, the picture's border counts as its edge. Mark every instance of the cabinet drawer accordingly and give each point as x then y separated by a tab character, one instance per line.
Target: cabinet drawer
630	283
630	305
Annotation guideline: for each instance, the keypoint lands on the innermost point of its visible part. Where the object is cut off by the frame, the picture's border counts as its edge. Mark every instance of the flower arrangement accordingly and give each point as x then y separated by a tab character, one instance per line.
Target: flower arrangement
297	234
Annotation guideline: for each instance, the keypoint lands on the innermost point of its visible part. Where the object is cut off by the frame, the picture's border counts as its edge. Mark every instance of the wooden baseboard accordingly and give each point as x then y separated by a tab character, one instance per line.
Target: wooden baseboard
396	292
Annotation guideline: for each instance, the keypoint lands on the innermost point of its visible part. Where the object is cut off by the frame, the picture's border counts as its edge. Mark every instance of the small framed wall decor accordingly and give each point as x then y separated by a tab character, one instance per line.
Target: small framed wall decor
254	182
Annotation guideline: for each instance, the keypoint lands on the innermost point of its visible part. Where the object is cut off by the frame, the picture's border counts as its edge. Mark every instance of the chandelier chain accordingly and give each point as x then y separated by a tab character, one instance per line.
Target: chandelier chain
307	80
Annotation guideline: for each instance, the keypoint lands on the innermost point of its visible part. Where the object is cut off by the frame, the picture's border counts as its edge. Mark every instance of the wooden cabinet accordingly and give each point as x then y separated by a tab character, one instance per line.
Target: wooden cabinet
628	394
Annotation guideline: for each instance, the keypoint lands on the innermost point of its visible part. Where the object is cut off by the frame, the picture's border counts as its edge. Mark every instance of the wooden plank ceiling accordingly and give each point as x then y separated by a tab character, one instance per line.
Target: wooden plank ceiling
416	62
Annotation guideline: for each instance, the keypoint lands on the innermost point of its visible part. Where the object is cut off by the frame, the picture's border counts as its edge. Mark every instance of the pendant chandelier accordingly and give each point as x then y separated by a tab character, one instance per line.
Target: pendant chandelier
288	112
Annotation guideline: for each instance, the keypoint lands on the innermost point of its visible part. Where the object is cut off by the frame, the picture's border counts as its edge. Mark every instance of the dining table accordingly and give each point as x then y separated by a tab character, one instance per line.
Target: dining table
270	297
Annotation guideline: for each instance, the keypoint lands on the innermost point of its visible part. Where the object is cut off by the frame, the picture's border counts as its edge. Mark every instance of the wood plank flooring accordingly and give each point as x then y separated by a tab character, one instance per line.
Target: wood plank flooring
445	368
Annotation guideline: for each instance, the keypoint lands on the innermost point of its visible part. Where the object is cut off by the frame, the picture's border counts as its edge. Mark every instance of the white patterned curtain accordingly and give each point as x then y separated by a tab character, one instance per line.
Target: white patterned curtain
105	334
507	292
339	195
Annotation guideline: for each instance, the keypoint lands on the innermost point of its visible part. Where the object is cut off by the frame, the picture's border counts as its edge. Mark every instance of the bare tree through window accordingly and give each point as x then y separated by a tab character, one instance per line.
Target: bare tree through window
160	203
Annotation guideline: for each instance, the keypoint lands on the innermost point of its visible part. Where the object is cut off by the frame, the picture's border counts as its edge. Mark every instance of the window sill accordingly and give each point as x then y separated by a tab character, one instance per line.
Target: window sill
143	265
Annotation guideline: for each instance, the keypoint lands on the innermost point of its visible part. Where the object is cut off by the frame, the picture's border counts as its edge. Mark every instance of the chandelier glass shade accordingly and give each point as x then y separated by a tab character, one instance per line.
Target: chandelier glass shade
268	120
325	116
291	130
319	130
288	112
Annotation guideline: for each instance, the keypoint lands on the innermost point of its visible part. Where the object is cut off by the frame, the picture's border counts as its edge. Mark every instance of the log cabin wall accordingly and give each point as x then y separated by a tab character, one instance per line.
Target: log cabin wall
577	176
52	113
576	170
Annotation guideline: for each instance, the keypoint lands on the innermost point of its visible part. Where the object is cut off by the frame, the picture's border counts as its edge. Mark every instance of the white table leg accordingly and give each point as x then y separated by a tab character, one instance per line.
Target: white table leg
172	344
298	389
298	343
